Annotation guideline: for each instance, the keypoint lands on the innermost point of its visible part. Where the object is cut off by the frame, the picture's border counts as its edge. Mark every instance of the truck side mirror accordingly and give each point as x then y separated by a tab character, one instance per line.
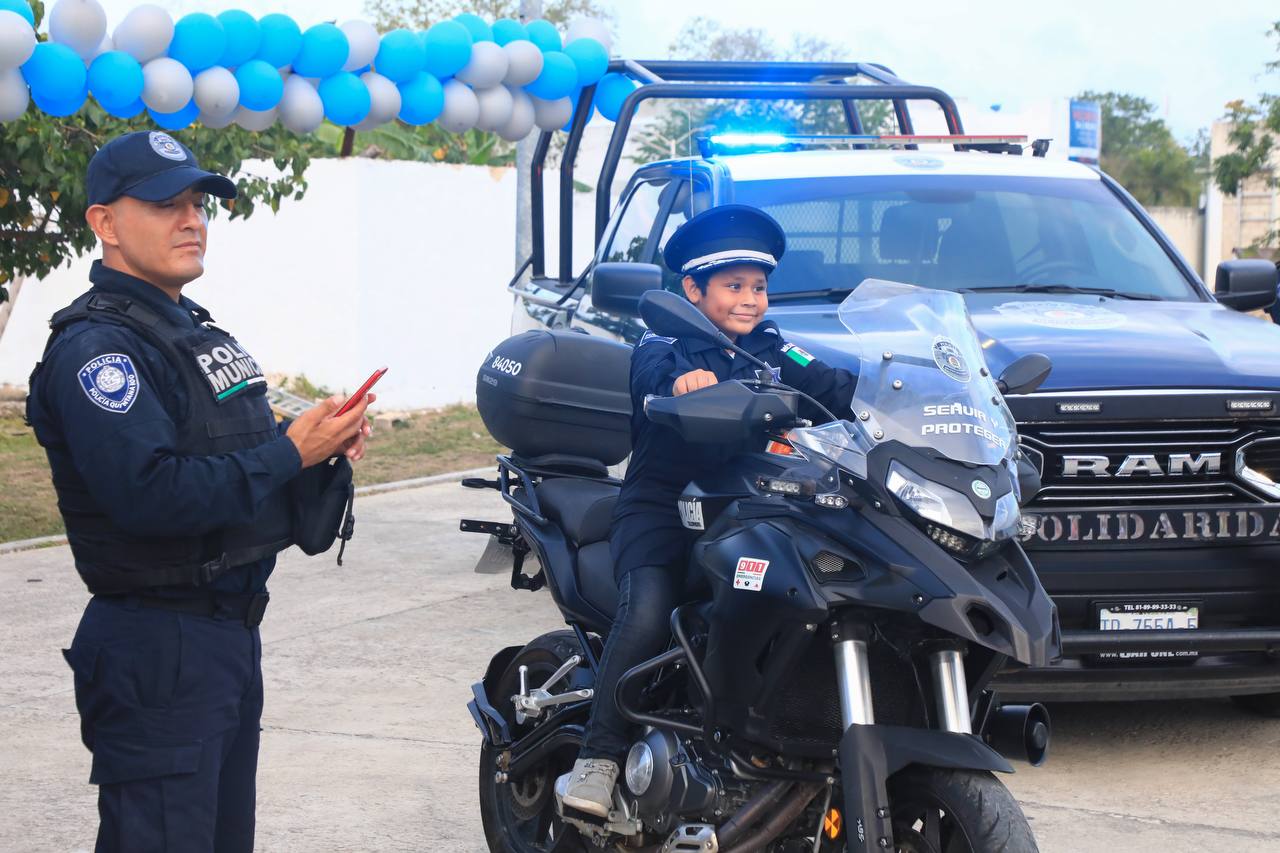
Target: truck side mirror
616	287
1246	285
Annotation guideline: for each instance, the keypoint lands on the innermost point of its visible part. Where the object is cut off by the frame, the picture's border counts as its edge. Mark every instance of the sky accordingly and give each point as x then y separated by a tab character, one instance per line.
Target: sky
1189	58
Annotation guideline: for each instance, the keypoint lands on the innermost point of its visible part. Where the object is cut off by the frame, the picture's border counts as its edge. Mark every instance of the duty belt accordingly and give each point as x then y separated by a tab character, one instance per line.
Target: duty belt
249	608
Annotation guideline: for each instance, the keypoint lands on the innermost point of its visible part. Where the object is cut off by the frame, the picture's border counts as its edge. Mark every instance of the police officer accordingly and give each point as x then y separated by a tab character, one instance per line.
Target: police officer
173	482
724	256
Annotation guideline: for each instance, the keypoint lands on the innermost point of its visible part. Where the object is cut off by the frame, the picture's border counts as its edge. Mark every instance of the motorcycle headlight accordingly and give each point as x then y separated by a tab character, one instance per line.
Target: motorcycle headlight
936	502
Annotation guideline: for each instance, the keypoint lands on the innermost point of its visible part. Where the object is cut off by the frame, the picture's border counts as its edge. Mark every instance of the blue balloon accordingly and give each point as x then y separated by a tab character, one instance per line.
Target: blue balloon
448	48
591	110
115	79
128	111
324	51
611	91
480	31
544	34
55	72
260	85
280	40
22	7
244	37
176	121
346	99
60	107
591	59
506	29
198	41
401	55
558	79
421	99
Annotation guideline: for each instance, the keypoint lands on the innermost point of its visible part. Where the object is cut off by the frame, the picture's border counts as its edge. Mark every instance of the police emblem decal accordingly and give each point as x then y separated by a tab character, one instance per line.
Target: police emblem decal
166	146
981	489
110	381
949	360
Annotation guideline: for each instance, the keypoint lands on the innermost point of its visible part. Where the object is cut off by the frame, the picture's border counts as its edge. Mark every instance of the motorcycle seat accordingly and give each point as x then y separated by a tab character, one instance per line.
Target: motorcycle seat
583	509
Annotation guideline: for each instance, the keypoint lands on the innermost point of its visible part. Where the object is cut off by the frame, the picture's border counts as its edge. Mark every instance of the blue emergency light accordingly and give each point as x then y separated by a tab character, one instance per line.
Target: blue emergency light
745	143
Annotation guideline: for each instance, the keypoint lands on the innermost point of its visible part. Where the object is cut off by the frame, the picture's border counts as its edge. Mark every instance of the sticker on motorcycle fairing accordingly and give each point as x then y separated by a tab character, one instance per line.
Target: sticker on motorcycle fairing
1063	315
691	514
797	355
750	573
981	489
227	368
949	360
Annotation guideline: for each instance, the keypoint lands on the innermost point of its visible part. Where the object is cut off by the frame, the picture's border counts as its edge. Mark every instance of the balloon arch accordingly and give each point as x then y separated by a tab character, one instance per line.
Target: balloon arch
231	68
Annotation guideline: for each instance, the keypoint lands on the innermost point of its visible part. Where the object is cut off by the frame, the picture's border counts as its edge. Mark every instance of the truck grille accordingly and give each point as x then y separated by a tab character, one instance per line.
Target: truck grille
1132	464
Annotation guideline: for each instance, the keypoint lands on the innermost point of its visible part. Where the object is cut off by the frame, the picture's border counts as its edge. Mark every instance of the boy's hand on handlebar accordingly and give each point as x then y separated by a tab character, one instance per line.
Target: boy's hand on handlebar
692	381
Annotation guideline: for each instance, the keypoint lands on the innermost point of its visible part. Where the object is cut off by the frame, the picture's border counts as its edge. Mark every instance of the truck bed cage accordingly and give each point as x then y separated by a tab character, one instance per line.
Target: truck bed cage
683	80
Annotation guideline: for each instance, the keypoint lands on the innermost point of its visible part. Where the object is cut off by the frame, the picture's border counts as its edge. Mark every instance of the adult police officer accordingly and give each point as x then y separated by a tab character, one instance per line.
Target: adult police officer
173	482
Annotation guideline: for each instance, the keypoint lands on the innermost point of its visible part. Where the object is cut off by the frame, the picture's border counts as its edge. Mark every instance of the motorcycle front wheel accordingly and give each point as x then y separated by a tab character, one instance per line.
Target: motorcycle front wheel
956	811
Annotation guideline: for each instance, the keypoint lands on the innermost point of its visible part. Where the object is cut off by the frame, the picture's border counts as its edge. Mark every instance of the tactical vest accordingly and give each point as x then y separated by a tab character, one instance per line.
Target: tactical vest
227	411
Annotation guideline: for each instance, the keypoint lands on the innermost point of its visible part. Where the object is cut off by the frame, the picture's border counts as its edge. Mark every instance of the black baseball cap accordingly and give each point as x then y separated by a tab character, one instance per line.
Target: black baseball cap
725	235
152	166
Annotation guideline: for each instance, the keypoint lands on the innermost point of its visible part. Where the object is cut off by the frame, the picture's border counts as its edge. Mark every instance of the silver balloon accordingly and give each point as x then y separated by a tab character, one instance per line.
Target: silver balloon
104	46
495	107
216	122
552	115
524	62
301	109
216	91
521	122
256	120
487	67
17	39
166	85
362	37
145	32
461	109
79	24
384	100
584	27
14	94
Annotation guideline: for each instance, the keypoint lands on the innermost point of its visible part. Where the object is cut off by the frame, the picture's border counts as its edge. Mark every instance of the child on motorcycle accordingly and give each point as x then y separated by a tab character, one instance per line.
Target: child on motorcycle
725	256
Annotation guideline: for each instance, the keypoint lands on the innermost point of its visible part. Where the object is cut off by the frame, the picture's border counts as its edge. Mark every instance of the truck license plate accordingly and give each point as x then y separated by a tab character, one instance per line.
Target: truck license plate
1148	616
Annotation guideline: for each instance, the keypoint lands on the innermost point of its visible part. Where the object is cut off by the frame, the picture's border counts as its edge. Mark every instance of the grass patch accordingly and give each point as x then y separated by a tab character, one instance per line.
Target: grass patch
416	445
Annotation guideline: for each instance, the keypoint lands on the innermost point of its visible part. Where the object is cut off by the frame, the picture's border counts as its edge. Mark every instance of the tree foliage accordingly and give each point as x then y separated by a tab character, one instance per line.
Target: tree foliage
673	131
420	14
429	143
1139	151
1252	137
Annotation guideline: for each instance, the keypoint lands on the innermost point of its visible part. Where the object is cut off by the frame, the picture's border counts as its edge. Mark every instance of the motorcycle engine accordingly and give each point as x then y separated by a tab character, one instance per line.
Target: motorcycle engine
666	779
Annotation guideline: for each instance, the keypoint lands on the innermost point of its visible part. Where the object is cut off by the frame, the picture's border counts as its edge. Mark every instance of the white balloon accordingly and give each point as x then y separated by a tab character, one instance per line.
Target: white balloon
584	27
17	40
487	67
79	24
461	109
216	91
145	32
495	107
216	122
105	46
301	109
255	120
384	100
521	122
14	94
362	37
524	62
552	115
166	85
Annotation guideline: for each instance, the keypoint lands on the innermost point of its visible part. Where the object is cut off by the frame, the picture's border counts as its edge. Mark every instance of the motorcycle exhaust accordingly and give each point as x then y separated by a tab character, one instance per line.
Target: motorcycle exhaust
1020	732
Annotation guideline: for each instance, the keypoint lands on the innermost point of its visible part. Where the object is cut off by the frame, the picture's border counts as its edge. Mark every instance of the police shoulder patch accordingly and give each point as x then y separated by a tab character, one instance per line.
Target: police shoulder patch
797	355
111	381
650	337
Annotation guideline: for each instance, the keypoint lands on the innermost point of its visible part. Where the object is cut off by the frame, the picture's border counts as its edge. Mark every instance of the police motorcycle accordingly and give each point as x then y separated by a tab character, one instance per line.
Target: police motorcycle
863	583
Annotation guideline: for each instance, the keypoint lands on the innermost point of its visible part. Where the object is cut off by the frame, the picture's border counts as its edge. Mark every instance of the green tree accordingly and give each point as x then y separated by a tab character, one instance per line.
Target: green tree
1139	151
420	14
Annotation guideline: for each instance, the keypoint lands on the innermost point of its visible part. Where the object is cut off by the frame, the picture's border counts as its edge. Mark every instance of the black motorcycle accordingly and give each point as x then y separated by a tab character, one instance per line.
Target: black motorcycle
863	583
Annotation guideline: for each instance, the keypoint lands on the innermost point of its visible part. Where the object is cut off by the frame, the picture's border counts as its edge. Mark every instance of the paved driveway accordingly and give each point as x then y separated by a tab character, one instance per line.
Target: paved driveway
367	743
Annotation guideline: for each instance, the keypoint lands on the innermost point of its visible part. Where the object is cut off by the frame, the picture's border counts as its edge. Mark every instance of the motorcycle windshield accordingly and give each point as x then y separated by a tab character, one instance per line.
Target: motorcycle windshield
923	378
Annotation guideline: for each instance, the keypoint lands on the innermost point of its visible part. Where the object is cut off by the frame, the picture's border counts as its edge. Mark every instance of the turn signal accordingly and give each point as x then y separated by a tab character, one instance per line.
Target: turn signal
832	824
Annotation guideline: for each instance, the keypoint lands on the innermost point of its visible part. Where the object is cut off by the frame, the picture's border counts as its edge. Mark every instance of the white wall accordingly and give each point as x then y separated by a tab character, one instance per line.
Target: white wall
382	263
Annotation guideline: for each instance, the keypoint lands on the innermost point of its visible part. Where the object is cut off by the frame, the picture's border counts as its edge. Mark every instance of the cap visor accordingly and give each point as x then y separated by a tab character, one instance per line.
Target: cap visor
169	183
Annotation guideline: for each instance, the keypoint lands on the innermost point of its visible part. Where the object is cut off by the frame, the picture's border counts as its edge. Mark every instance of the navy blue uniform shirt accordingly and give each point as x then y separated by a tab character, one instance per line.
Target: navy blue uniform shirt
646	522
124	463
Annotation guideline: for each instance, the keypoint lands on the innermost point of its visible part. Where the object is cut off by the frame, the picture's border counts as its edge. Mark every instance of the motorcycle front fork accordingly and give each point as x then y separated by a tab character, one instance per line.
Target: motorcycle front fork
854	680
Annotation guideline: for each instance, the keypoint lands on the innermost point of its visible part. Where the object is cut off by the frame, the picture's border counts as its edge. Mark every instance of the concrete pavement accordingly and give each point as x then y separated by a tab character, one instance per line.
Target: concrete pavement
367	743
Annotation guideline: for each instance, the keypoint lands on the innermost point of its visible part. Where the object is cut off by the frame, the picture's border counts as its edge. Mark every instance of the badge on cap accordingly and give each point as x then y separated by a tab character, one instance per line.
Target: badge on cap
110	381
166	146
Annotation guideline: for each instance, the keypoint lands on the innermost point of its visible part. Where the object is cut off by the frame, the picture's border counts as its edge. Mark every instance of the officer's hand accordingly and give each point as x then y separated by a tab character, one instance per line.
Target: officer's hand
319	435
693	380
355	447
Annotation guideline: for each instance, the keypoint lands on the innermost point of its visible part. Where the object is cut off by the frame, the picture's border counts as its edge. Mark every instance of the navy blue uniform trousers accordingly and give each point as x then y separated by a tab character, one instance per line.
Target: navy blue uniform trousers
170	706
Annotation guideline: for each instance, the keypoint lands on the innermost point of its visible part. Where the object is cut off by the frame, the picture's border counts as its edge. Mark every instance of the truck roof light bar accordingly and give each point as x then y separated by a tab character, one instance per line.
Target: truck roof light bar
724	143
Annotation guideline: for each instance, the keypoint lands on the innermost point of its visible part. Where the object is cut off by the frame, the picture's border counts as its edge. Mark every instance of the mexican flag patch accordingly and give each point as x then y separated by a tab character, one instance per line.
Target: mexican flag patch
797	355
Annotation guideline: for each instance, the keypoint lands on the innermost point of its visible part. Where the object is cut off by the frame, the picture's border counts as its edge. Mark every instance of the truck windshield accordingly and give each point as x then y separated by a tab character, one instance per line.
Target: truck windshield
961	232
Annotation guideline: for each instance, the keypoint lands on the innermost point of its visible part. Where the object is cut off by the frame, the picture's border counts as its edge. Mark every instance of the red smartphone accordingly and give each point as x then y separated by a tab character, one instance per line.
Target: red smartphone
359	395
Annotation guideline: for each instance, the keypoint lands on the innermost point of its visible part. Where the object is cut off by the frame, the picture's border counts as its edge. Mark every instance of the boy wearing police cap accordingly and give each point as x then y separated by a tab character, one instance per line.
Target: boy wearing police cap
725	256
172	479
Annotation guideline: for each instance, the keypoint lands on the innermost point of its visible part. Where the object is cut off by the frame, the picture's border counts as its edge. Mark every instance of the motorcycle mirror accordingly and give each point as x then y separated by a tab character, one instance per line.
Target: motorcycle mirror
673	316
1025	374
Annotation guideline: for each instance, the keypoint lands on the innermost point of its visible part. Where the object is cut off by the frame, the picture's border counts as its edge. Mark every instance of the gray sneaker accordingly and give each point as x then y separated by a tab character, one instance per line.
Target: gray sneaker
590	786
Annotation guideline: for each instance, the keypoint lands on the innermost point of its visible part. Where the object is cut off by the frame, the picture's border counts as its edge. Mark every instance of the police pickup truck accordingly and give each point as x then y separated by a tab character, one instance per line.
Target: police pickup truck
1157	434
